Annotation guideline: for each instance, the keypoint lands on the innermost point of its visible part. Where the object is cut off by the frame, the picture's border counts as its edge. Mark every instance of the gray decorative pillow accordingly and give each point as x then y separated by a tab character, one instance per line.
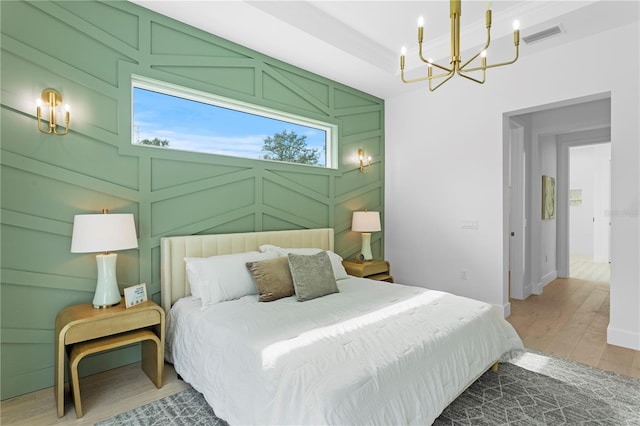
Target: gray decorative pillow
273	278
312	275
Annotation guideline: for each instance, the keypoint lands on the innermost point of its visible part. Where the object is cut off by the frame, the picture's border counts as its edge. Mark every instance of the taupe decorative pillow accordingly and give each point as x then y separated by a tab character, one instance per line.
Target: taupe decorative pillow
272	278
312	275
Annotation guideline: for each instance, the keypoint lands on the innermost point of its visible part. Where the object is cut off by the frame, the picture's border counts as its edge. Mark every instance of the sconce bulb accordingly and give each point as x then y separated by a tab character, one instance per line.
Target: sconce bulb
516	25
421	21
483	54
403	51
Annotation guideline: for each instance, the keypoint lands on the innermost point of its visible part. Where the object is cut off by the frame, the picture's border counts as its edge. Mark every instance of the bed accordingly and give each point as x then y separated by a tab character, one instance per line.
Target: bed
367	353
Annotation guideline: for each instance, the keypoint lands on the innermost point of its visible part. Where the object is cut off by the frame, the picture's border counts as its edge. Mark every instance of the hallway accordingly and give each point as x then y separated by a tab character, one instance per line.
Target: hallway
570	320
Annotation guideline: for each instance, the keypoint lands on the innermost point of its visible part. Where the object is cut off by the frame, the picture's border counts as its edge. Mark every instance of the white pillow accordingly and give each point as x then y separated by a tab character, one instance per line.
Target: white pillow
216	279
336	261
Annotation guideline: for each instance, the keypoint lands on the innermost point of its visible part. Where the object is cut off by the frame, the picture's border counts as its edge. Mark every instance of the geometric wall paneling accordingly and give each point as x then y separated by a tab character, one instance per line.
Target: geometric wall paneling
230	224
318	183
193	207
90	54
279	92
357	180
232	80
167	173
170	40
350	99
56	197
312	209
367	119
319	90
114	21
46	180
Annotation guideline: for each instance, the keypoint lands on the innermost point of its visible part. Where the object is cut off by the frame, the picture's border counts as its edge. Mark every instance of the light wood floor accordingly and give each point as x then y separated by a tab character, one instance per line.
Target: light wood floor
103	396
568	320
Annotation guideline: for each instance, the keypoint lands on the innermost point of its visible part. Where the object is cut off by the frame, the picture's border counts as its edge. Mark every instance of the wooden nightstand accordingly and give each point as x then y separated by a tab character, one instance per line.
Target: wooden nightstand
83	330
378	270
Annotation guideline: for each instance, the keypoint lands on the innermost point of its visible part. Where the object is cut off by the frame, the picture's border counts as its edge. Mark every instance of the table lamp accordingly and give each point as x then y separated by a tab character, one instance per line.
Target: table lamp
366	222
104	233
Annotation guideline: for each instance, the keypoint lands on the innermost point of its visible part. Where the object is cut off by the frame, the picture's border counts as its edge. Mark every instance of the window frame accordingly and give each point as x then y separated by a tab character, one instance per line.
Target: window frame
190	94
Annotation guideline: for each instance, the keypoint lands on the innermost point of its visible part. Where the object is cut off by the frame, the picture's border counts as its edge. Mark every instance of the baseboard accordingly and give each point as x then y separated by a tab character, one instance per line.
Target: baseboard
537	288
545	280
504	309
624	338
548	278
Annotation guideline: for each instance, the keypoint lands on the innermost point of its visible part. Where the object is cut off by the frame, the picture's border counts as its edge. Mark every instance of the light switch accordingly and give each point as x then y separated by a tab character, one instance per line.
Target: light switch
470	224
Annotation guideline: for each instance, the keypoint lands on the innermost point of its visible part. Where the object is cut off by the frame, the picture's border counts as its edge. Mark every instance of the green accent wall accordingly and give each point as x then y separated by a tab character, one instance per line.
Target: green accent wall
88	51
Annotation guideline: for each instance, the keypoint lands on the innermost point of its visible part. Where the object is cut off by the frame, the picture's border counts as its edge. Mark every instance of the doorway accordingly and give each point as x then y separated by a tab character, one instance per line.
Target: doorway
546	134
589	207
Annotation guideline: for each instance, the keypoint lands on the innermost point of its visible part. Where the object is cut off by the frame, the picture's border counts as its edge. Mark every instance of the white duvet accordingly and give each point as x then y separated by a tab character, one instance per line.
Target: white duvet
375	353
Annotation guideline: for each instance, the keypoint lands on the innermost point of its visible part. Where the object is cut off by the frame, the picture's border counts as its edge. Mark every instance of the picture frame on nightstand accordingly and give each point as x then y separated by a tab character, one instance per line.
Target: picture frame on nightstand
135	295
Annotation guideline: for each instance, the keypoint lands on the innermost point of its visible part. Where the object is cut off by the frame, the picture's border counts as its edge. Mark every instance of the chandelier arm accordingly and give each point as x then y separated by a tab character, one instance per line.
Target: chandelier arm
486	46
431	77
413	80
497	65
506	63
461	74
444	74
431	89
426	61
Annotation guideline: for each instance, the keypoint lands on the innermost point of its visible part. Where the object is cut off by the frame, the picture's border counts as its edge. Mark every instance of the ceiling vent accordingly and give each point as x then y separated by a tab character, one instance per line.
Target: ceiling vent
541	35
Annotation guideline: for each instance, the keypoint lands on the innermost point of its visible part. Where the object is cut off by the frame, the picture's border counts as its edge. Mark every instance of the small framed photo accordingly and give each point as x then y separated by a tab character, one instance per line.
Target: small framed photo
135	295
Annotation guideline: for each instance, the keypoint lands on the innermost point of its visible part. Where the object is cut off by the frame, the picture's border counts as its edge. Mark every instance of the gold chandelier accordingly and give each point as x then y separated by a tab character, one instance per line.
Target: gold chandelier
456	65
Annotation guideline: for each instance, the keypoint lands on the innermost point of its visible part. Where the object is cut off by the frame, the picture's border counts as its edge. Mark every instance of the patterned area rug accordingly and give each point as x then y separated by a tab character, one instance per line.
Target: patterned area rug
529	389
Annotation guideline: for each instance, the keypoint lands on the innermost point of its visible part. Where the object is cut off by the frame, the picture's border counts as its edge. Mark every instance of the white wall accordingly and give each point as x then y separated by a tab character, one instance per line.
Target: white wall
445	164
581	166
548	167
590	172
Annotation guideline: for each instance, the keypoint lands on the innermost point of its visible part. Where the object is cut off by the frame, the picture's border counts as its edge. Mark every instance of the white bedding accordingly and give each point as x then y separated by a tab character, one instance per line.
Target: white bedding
375	353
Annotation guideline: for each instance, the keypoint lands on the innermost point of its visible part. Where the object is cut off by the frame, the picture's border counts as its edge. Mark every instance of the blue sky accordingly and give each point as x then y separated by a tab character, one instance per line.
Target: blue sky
195	126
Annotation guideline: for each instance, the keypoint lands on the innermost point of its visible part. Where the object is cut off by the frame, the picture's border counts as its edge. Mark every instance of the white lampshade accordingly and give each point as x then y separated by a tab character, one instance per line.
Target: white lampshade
365	221
104	233
94	233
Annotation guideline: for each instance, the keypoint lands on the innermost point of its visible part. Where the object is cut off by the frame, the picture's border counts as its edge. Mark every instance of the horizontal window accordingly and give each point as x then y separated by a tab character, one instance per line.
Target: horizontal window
172	117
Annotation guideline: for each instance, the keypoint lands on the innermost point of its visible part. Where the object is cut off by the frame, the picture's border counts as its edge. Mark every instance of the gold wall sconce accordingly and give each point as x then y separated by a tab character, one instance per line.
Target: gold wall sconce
364	161
52	98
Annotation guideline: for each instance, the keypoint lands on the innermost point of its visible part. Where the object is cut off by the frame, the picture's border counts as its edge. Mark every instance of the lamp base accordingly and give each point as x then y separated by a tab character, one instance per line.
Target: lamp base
366	246
107	293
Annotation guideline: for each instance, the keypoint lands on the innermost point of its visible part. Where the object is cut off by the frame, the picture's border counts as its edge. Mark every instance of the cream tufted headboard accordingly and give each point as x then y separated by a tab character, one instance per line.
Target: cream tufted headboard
173	250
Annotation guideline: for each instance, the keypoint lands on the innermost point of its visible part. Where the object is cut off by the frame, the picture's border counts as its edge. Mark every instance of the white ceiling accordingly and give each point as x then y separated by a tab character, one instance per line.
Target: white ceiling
357	43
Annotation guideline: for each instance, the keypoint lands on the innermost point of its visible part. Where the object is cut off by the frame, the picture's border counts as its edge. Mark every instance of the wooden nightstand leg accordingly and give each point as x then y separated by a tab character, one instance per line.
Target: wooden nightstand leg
58	385
153	360
75	383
